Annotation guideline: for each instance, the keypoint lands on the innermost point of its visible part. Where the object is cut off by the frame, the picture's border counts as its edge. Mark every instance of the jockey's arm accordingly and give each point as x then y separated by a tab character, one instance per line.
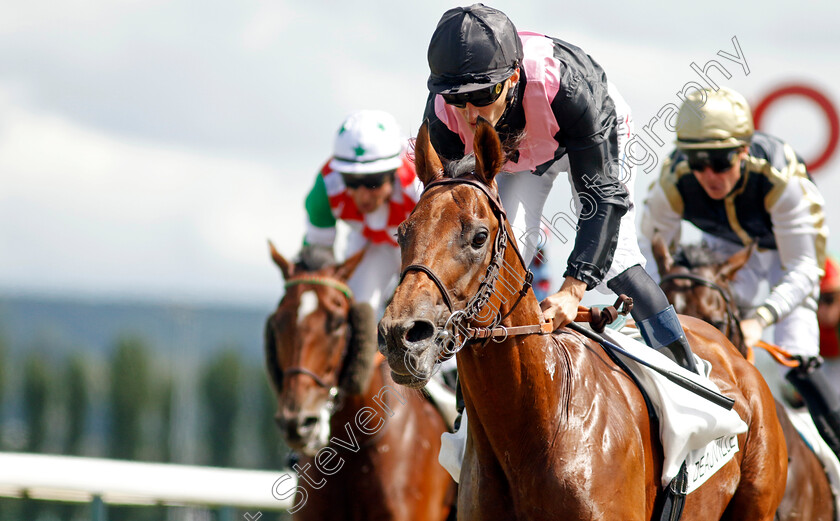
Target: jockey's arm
799	228
317	249
662	213
592	145
588	128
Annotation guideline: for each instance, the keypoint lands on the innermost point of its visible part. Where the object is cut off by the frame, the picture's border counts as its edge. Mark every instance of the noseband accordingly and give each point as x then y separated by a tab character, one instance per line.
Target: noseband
456	329
733	322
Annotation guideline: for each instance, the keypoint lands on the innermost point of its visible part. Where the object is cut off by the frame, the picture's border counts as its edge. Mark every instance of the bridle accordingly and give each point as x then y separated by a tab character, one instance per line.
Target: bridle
733	321
320	280
457	331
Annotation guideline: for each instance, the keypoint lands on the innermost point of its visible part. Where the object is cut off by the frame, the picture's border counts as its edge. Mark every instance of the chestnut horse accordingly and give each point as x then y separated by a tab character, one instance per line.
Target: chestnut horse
698	285
368	449
556	429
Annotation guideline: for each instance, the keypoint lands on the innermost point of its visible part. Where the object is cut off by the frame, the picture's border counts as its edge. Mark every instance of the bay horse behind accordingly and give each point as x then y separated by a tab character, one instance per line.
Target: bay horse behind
368	449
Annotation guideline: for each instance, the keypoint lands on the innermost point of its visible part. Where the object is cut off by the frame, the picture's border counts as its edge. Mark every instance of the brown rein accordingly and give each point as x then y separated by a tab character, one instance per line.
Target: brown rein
780	355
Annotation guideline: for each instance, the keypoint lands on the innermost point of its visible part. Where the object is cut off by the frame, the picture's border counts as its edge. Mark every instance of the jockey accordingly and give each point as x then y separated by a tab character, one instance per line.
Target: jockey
743	187
556	112
370	185
828	316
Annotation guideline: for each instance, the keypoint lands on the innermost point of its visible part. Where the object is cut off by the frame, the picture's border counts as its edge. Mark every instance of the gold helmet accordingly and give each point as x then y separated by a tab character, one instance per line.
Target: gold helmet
723	120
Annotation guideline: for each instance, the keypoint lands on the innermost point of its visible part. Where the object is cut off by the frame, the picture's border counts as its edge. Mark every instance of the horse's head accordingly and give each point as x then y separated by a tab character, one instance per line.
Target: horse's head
315	349
699	286
446	244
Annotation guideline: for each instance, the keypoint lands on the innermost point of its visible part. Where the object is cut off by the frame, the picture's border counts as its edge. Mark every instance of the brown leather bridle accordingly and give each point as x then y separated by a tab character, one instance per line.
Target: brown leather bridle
320	280
733	321
456	330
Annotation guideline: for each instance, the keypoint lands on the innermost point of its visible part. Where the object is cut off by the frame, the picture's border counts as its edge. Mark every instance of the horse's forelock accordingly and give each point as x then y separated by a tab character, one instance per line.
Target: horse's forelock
459	167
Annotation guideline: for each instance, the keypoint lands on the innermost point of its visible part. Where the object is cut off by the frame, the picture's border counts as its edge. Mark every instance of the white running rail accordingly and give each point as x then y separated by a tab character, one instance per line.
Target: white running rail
76	479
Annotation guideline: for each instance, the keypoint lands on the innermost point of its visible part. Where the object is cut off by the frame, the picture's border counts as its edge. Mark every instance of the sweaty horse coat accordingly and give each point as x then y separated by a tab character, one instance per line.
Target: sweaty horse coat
556	429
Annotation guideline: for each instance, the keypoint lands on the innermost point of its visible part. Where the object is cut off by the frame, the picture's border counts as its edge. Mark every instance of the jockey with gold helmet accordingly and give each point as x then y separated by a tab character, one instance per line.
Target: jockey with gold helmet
742	187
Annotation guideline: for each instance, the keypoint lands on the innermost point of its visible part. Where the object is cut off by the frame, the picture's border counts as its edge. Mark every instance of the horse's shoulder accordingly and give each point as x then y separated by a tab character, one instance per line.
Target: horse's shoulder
590	360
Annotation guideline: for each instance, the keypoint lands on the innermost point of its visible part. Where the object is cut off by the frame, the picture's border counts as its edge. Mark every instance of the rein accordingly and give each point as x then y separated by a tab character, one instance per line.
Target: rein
457	328
780	355
733	321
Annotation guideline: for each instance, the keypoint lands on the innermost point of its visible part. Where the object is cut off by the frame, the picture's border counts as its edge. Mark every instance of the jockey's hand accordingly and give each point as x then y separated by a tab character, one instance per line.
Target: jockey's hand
561	308
752	329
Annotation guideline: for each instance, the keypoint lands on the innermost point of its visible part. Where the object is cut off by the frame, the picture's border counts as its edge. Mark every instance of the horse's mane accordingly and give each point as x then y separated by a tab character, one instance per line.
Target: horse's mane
694	256
466	164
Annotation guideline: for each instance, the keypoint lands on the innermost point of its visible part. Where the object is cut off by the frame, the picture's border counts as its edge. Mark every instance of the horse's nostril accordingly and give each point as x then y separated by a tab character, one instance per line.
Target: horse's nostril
421	330
309	422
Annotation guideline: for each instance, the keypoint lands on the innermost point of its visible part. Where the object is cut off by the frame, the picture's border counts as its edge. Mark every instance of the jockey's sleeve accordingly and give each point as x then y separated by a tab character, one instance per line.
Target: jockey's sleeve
446	142
320	222
800	232
663	209
586	116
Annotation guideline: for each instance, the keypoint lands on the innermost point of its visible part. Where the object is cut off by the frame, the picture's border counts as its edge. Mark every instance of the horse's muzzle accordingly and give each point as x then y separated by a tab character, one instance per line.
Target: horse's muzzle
409	348
301	432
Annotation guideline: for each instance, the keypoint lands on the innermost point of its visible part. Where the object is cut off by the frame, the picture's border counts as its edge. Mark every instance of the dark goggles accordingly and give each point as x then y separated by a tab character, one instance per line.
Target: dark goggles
369	181
718	159
828	298
477	98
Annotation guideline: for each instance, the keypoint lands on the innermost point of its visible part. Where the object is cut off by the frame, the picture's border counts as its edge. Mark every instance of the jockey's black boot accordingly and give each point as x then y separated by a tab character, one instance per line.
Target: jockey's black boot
823	403
664	333
654	315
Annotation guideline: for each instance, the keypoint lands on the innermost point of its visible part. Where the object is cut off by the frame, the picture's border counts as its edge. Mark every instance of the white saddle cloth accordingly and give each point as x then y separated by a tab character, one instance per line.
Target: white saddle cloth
692	429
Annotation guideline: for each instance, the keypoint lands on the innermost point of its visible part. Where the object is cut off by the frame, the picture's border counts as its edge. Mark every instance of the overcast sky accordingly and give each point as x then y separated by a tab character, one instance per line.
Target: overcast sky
148	148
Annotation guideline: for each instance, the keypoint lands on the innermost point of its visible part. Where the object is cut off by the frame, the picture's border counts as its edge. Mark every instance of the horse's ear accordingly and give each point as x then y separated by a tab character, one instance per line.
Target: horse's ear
344	270
489	156
734	263
664	261
285	266
426	160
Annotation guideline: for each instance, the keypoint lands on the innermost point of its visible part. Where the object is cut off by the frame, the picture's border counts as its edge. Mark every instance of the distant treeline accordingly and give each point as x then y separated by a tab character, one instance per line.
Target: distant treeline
62	324
137	402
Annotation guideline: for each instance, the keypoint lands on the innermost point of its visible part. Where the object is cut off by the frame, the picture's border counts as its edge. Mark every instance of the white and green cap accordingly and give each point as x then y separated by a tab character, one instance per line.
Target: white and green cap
368	142
714	119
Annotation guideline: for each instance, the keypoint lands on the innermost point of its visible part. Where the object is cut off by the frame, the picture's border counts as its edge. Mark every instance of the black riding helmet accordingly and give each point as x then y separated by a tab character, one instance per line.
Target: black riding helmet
472	47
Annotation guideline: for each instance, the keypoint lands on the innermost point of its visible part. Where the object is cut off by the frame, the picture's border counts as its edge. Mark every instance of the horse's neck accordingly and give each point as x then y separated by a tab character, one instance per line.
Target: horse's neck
382	400
517	384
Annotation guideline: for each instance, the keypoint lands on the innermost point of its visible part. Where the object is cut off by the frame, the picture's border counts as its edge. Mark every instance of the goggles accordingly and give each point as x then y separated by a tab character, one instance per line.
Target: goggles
477	98
369	181
828	298
718	159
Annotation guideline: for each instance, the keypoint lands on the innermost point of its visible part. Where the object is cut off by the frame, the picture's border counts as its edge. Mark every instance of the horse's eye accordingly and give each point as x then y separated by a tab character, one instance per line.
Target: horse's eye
479	239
